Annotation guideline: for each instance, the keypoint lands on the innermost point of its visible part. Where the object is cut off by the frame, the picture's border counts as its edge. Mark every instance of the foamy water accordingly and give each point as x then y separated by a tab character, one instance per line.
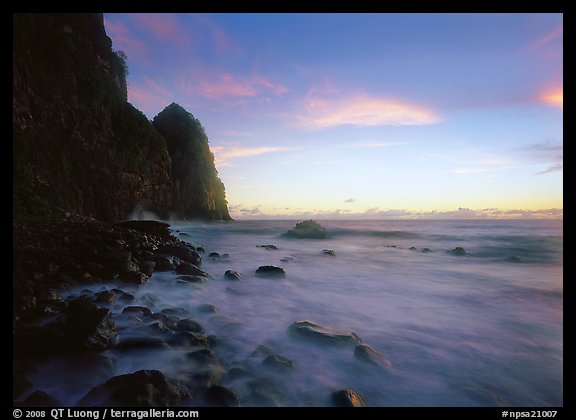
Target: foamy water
483	329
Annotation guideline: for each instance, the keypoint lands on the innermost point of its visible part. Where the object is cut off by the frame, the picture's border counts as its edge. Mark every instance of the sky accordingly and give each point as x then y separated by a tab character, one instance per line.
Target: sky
364	115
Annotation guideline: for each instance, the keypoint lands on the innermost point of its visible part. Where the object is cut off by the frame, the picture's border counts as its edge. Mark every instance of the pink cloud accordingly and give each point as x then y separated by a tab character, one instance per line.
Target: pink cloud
361	110
229	85
150	96
224	154
553	35
218	36
124	40
553	96
163	26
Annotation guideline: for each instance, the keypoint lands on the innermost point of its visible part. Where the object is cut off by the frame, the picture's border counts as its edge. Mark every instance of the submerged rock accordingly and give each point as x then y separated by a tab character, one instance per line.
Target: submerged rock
329	252
367	354
313	331
279	363
144	388
271	270
347	398
207	308
190	269
220	396
309	229
191	279
268	247
232	275
188	324
458	251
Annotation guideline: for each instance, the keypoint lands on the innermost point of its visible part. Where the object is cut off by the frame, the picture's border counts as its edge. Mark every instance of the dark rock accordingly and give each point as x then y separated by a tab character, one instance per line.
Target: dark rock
214	255
367	354
144	388
271	270
190	269
266	391
213	341
188	338
232	275
329	252
191	279
200	249
174	311
19	384
188	324
134	277
123	296
234	292
327	335
149	299
425	250
262	351
106	297
347	398
279	363
147	267
185	253
203	357
132	343
151	227
220	396
308	229
41	399
88	326
162	262
208	376
268	247
236	372
458	251
142	310
207	308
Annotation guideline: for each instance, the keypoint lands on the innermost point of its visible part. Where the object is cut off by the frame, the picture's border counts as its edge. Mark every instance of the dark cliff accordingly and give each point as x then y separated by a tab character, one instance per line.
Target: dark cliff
197	189
78	145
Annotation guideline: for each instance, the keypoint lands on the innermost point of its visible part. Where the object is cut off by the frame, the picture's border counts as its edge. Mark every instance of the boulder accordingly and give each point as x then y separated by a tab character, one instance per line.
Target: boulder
458	251
367	354
327	335
329	252
88	326
207	308
232	275
188	324
185	253
347	398
271	271
220	396
279	363
144	388
190	269
268	247
191	279
142	310
161	262
151	227
309	229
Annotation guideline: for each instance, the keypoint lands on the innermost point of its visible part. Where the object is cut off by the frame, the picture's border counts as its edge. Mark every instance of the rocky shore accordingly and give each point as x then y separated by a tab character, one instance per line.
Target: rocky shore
53	257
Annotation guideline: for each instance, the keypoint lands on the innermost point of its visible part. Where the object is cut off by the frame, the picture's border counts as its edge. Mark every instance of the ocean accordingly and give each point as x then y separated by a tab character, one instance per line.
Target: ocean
480	329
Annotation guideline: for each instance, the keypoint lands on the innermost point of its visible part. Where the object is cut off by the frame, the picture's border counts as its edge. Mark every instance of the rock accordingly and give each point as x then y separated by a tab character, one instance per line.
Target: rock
200	249
149	299
308	229
262	351
147	267
186	253
161	262
41	399
174	311
327	335
347	398
234	292
190	269
232	275
106	297
142	310
425	250
89	327
188	324
191	279
122	295
458	251
189	338
144	388
214	255
237	372
134	277
220	396
19	383
151	227
329	252
202	357
207	308
367	354
131	343
279	363
268	247
207	377
266	391
271	271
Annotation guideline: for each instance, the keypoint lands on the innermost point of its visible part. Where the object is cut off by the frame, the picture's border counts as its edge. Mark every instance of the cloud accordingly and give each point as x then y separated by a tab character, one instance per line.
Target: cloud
218	36
555	34
163	26
149	96
225	154
548	152
554	97
374	145
230	85
321	112
124	40
350	200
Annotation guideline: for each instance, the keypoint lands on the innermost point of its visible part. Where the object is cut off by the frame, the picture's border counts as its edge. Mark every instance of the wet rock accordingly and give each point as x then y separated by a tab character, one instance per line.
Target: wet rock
41	399
327	335
162	262
220	396
174	311
190	269
458	251
205	378
200	249
151	227
147	267
149	299
266	391
186	253
367	354
131	343
106	297
188	338
279	363
188	324
89	326
144	388
232	275
122	295
271	271
308	229
234	292
207	308
262	351
202	357
425	250
134	277
268	247
347	398
191	279
214	255
141	310
329	252
236	372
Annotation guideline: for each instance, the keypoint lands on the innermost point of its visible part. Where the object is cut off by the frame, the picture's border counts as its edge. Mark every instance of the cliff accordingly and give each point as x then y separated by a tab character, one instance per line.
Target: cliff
197	189
78	145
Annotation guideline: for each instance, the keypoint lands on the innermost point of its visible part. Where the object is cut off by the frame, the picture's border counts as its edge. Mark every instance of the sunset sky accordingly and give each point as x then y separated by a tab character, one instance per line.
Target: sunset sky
363	115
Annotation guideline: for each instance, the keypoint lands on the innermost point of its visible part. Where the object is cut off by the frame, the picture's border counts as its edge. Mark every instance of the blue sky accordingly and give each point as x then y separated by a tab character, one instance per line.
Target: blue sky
364	115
